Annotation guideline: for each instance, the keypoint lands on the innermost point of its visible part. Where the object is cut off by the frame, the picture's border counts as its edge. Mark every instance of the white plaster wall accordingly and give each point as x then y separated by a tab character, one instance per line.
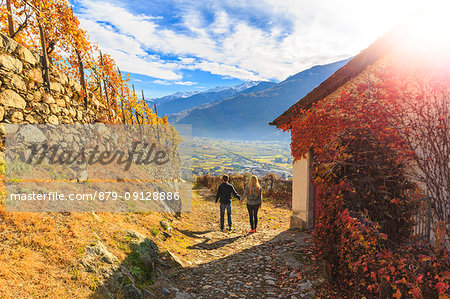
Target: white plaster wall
302	195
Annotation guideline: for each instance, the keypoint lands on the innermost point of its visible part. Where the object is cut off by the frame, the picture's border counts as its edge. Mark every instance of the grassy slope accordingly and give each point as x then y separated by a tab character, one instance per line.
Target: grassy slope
40	252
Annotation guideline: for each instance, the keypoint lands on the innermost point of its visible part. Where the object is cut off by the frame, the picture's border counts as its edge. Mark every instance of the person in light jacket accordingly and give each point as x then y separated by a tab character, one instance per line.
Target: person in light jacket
253	194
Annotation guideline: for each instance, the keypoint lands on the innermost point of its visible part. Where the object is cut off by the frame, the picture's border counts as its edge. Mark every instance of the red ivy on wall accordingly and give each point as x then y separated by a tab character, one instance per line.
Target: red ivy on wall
351	234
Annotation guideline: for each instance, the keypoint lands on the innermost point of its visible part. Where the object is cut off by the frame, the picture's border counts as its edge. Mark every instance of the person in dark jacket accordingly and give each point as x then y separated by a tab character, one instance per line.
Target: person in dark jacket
224	193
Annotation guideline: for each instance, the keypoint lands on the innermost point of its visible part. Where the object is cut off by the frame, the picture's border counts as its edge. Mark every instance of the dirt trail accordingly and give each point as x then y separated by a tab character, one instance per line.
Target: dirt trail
272	263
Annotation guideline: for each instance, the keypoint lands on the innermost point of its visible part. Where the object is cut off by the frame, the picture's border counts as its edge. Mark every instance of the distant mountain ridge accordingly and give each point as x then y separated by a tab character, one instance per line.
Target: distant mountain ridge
174	118
179	102
246	115
174	96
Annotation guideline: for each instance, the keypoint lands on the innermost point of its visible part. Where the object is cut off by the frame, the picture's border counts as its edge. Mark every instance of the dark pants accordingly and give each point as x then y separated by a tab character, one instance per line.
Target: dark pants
222	215
253	213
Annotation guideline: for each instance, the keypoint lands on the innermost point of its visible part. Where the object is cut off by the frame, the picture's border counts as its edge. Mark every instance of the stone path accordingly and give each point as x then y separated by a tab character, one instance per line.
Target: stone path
257	272
272	263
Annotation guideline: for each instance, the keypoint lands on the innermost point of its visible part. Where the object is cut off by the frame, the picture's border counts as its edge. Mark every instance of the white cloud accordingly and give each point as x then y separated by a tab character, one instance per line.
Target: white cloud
129	53
109	39
165	82
293	35
225	70
186	83
222	24
162	82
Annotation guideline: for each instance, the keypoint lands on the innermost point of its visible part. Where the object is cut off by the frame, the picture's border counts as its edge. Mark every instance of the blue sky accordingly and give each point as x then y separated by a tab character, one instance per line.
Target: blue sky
185	45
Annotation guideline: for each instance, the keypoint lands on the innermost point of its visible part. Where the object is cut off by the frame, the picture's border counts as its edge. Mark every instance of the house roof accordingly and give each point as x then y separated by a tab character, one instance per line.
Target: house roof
350	70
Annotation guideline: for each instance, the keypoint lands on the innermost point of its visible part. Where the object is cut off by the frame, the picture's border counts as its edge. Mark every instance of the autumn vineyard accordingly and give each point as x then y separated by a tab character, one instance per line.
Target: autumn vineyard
51	29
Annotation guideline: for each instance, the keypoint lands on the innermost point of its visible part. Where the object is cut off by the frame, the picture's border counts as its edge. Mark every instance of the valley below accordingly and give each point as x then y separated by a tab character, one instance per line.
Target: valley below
216	157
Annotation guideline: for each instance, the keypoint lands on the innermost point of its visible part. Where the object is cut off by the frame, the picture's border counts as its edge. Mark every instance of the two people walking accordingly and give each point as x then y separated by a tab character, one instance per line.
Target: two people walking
253	195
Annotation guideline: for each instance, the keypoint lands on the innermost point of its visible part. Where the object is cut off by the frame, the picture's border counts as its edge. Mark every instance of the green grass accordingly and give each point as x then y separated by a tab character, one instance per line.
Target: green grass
155	231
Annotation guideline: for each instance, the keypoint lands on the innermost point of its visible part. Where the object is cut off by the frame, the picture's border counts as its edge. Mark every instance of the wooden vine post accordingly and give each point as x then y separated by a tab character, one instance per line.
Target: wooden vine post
45	63
137	113
10	19
99	83
114	97
82	79
122	98
135	110
156	112
143	102
104	82
137	117
134	95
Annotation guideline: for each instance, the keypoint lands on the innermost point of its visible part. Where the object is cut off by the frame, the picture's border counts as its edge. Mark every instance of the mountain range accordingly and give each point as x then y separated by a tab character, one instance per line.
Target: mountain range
244	111
179	102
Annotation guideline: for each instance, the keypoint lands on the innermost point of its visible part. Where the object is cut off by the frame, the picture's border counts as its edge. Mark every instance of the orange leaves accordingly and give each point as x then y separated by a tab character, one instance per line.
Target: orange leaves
397	295
402	281
424	258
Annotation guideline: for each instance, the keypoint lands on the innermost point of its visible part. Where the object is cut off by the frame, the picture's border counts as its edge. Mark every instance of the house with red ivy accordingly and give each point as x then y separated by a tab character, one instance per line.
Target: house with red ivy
414	45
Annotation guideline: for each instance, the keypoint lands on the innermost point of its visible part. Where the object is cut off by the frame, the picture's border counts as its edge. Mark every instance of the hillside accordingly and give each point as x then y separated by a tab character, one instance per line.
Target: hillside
64	255
173	104
246	115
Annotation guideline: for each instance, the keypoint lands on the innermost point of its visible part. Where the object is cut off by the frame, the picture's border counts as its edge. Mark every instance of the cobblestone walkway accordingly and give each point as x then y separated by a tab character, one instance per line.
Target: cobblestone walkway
272	263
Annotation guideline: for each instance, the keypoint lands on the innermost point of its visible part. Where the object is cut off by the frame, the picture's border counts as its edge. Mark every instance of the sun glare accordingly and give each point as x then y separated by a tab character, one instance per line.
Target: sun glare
427	31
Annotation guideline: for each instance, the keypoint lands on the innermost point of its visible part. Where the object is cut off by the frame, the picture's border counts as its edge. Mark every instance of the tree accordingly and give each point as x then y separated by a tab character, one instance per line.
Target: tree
422	116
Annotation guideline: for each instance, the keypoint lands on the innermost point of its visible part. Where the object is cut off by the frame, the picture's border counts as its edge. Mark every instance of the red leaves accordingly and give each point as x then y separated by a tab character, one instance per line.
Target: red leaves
416	292
395	201
419	278
442	287
318	128
353	243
